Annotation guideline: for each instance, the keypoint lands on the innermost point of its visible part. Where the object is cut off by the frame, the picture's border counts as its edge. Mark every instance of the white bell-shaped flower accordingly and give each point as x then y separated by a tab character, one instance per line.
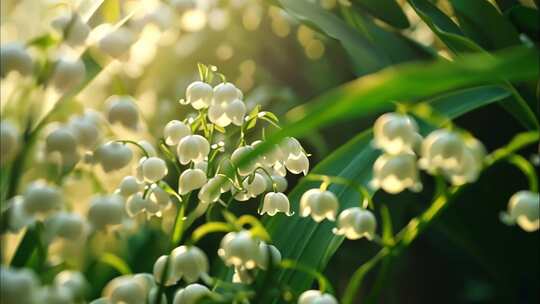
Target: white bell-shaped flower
297	164
471	164
68	74
9	141
316	297
41	199
61	140
271	157
53	294
275	202
18	286
290	146
355	223
86	130
189	263
395	173
159	269
70	226
243	276
191	294
395	133
199	94
130	185
106	211
74	282
117	42
126	289
113	156
442	150
148	147
217	114
239	249
211	191
136	204
236	111
73	28
158	197
154	169
123	110
256	185
319	204
174	131
241	153
14	57
193	148
225	92
264	251
190	180
276	183
523	209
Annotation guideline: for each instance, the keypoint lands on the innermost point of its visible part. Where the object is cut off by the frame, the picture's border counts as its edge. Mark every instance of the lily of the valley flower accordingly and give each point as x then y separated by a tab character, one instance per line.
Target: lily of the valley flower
355	223
191	294
523	209
275	202
316	297
319	204
193	148
395	133
395	173
239	249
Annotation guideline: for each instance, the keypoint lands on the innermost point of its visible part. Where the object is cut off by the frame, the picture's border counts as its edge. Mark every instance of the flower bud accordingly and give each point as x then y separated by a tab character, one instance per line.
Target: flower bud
68	74
523	209
316	297
275	202
191	294
239	249
193	148
18	286
13	57
190	180
395	133
61	140
319	204
122	109
174	131
199	95
73	28
395	173
70	226
40	198
241	153
74	282
107	210
117	43
113	156
189	263
130	185
154	169
9	141
356	223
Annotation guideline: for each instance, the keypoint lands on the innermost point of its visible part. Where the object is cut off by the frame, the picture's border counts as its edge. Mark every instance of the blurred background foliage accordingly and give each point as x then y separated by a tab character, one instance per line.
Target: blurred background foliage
283	53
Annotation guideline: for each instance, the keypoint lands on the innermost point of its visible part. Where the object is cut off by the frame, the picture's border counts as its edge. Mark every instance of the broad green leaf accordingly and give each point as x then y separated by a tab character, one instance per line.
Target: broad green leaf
526	20
482	22
442	25
363	54
388	11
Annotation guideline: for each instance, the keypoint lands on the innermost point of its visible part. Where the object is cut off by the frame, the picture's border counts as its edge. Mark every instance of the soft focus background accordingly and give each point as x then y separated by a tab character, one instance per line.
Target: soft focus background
468	256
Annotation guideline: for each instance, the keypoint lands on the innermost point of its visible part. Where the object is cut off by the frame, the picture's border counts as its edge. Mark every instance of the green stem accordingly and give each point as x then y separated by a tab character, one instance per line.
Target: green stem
527	168
365	197
136	144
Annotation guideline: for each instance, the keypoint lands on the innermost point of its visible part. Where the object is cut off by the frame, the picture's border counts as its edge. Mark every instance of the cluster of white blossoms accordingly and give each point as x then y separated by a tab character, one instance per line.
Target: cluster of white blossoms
21	286
133	289
457	157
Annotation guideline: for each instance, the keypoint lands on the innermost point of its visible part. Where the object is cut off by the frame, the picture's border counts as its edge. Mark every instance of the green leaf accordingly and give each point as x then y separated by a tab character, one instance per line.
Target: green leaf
365	57
115	262
110	10
388	11
482	22
526	20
